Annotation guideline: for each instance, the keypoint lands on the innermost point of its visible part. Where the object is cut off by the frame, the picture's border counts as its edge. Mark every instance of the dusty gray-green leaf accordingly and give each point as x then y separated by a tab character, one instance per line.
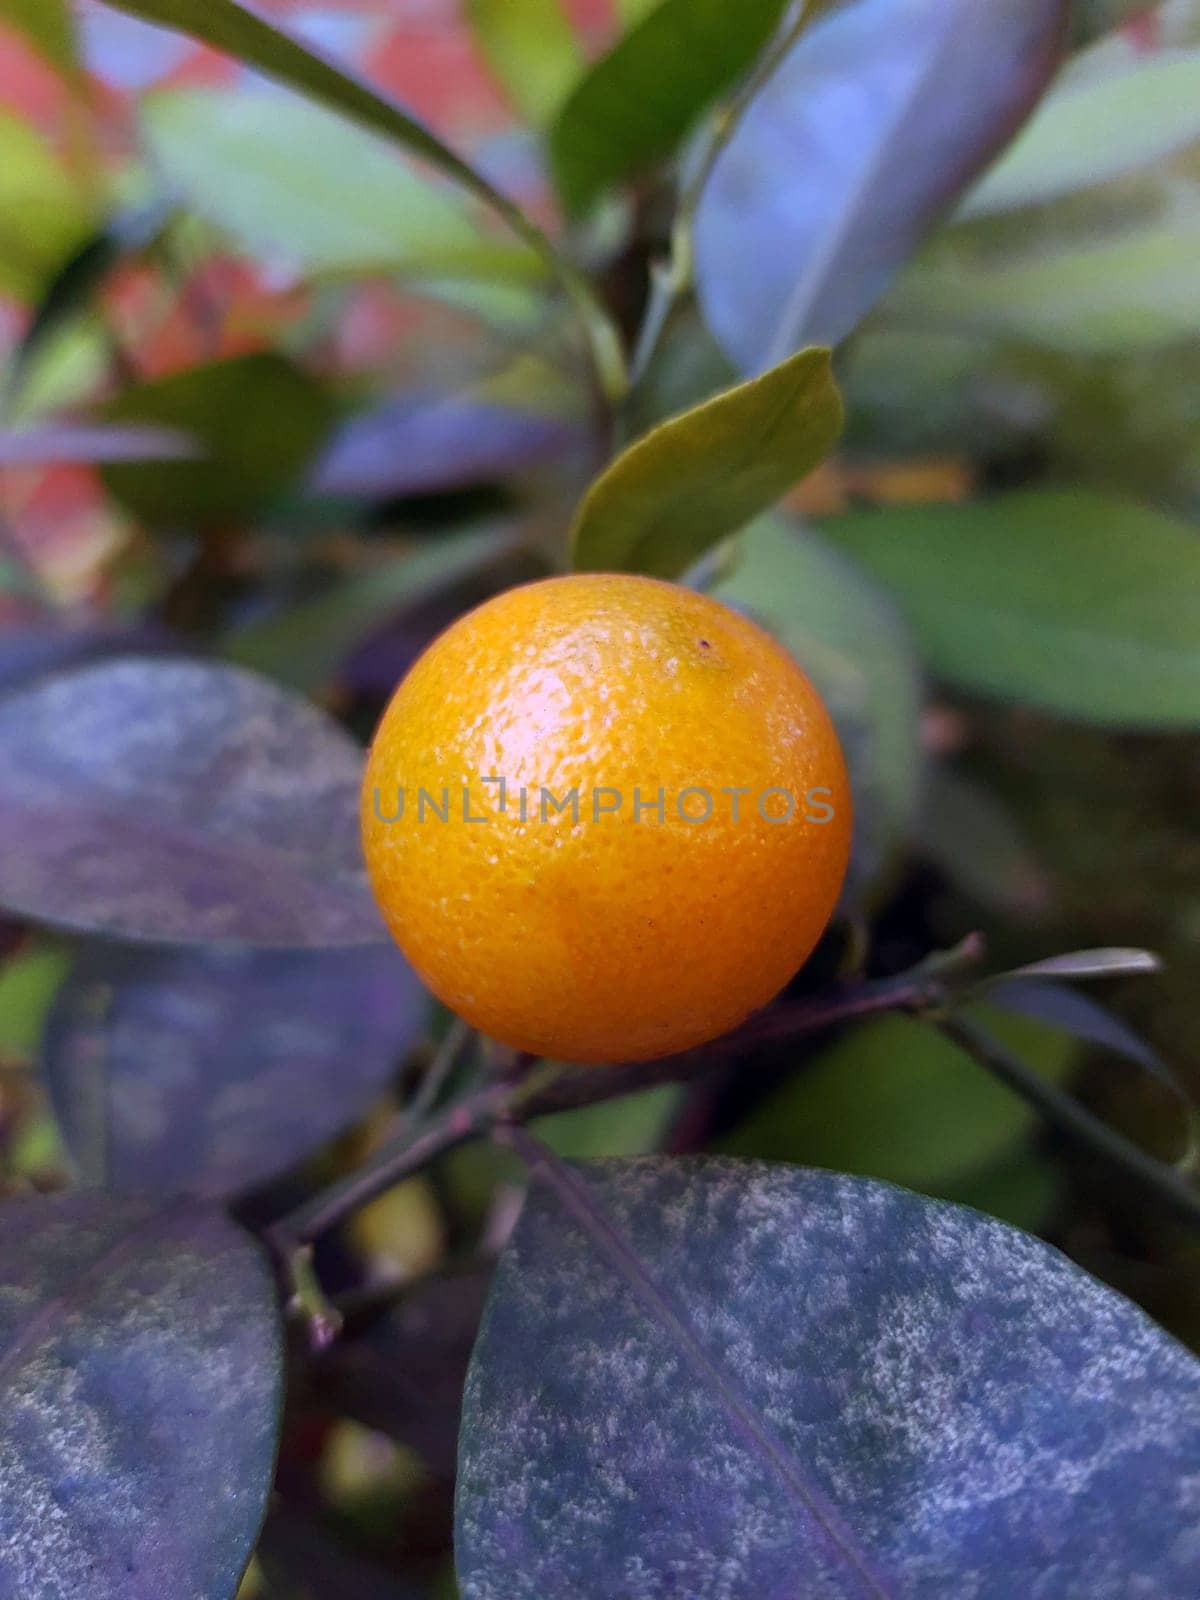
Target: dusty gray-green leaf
183	802
655	1398
701	475
271	170
1083	605
1115	293
532	49
858	651
140	1387
1090	129
637	102
1105	963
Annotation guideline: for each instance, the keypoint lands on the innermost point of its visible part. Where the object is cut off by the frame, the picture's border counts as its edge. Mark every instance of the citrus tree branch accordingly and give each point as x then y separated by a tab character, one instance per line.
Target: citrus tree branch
1072	1119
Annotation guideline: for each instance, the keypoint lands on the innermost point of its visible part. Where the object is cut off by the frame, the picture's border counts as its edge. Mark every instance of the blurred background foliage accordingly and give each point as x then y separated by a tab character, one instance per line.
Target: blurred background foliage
396	420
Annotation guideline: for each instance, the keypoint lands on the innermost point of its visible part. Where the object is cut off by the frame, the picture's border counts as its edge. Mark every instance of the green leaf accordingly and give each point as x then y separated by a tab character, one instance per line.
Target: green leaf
638	102
271	170
258	418
704	474
856	648
1110	295
967	831
141	1380
306	644
43	214
49	25
895	1099
1092	129
28	983
632	1125
532	49
1082	605
242	33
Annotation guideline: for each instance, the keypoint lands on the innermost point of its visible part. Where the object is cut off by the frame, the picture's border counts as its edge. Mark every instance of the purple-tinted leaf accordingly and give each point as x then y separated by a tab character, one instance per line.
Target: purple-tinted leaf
212	1072
1083	1018
182	802
881	114
33	649
425	444
140	1383
711	1377
67	441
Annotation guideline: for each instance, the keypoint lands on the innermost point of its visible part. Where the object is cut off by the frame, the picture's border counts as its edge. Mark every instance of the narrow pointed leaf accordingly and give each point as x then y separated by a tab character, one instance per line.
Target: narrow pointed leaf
636	104
1083	1018
1103	963
243	32
706	473
532	49
882	113
667	1357
182	802
1090	130
271	170
1114	293
51	442
140	1386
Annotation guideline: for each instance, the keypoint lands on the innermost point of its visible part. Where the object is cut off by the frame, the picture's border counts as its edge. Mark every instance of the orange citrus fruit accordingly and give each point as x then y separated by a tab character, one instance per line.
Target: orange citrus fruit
605	817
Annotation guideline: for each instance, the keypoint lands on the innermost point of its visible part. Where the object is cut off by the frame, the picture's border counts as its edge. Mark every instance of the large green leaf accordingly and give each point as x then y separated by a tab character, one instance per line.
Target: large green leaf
532	49
1091	129
242	32
967	831
638	101
855	646
258	420
895	1099
141	1373
706	473
720	1378
43	214
1109	294
272	170
49	25
1084	605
